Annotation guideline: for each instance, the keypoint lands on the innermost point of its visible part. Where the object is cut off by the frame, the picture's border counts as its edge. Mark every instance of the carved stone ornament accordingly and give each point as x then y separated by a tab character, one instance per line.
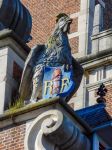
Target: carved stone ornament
55	53
52	130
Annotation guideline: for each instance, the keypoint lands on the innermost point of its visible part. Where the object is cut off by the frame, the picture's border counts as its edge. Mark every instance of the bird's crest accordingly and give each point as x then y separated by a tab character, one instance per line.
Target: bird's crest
60	15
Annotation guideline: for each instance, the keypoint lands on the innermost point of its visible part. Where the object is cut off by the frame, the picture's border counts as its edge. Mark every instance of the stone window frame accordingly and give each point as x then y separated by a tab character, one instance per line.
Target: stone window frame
89	87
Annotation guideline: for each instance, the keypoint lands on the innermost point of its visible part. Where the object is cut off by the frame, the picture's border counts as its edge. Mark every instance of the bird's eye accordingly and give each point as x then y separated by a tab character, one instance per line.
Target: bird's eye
62	19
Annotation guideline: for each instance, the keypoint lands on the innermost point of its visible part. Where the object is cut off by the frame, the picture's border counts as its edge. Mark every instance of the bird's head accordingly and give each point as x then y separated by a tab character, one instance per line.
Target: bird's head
64	22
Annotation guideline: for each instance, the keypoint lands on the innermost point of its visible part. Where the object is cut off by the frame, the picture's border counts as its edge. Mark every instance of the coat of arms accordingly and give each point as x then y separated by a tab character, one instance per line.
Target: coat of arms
58	81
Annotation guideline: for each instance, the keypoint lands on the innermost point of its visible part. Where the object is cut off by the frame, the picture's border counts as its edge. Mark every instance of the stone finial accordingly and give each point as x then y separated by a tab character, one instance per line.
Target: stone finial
101	93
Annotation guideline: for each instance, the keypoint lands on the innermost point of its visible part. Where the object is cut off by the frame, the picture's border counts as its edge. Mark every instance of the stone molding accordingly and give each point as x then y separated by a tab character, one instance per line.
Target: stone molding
30	112
96	85
102	41
96	60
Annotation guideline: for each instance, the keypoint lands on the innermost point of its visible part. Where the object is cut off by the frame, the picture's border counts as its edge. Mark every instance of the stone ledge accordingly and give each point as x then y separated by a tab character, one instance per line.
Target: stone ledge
9	114
32	111
94	57
102	34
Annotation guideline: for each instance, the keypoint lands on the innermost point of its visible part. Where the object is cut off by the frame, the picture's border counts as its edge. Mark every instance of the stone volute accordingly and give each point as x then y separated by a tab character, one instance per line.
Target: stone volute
53	130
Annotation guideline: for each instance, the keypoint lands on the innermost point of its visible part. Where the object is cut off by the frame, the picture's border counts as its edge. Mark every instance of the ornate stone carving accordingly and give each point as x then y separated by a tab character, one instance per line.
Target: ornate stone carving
56	52
52	130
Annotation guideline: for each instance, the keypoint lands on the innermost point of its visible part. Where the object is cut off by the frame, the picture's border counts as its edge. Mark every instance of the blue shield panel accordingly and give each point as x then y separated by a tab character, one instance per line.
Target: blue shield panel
58	81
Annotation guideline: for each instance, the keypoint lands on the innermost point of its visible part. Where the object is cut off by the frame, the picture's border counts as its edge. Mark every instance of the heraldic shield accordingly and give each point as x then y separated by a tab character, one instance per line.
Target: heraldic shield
58	81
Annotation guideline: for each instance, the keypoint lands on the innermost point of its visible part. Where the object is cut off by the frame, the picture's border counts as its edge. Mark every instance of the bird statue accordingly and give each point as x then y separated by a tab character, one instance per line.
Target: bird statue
56	52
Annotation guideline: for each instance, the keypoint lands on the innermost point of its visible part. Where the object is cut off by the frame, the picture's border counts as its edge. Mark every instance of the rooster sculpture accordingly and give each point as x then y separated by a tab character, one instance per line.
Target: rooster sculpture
56	52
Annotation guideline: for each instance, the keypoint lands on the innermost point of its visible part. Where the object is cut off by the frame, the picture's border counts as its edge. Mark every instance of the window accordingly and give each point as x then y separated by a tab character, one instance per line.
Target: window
17	72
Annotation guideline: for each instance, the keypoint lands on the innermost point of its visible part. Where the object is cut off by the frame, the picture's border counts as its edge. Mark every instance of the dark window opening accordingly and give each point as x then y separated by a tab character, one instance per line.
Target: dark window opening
17	72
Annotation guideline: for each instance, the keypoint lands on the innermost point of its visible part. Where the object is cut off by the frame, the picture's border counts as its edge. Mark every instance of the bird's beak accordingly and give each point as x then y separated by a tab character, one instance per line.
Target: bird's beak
70	20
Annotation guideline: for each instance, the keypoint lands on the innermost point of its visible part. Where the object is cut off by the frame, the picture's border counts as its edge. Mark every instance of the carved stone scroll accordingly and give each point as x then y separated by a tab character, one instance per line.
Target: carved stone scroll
52	130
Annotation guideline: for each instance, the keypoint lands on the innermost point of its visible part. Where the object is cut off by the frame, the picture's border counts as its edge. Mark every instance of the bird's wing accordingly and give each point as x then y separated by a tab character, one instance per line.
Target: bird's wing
77	76
26	80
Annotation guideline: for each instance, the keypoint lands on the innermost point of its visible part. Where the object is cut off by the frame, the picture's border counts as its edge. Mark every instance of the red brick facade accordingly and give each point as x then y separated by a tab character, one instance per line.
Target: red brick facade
12	138
44	17
108	14
74	42
109	99
74	25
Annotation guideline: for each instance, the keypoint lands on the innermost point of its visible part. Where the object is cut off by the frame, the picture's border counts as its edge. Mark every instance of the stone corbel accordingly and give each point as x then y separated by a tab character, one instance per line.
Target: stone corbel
52	130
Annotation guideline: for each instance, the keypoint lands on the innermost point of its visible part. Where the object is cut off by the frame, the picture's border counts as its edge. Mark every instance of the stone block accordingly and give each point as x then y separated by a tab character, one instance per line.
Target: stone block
11	52
102	41
7	82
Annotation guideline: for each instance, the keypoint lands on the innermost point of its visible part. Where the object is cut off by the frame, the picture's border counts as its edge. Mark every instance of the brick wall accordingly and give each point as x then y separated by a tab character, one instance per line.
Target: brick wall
44	15
12	138
108	14
74	25
109	99
74	42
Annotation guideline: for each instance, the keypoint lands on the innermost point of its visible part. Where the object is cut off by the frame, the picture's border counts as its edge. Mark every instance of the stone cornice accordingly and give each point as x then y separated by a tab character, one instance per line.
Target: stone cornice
101	50
102	57
28	108
31	111
102	34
